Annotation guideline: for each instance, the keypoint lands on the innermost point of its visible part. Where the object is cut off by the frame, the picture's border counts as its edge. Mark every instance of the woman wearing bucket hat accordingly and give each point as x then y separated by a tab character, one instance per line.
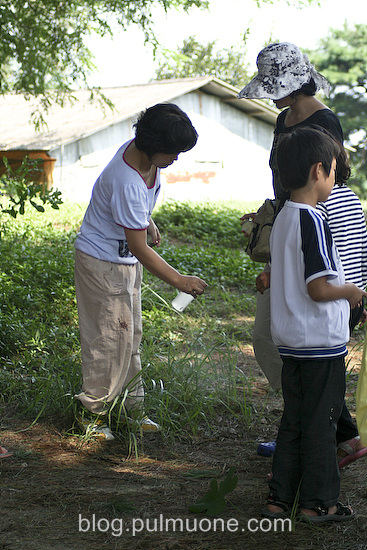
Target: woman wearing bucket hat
282	70
286	76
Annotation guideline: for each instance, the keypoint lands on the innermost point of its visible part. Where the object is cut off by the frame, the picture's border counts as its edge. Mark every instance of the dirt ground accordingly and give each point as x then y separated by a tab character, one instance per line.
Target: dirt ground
57	494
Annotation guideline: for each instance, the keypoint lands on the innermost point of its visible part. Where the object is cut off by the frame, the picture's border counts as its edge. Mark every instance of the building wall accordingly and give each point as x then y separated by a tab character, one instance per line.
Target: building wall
79	163
230	160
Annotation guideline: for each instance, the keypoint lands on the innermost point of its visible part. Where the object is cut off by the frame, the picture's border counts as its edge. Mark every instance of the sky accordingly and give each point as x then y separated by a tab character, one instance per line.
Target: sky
125	60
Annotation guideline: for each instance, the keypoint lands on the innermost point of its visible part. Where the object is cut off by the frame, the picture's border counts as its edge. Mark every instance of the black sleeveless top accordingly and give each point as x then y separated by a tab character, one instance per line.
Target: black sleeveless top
324	118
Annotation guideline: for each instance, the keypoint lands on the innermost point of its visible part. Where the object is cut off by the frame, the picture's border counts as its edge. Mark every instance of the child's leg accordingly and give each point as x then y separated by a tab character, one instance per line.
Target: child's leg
286	460
323	385
346	429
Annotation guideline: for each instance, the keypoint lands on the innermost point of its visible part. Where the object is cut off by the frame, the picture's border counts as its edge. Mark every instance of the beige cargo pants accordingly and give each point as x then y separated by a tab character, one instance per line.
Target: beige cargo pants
110	324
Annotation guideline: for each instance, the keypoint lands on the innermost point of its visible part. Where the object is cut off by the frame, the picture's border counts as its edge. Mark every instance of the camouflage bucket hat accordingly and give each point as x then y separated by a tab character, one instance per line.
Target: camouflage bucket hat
282	69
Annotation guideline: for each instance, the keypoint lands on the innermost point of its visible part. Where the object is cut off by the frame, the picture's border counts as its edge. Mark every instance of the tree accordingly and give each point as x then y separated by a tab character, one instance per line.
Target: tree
42	50
22	185
195	59
342	58
43	54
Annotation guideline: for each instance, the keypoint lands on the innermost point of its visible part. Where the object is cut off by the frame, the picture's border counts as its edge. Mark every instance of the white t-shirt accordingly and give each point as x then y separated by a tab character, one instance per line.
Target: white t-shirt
120	198
302	249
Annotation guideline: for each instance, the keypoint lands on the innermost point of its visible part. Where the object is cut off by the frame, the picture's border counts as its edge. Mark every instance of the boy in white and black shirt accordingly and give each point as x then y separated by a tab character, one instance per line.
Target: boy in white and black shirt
310	304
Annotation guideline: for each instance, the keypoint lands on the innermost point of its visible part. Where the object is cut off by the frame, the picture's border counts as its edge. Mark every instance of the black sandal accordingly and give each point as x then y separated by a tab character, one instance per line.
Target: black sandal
343	513
272	499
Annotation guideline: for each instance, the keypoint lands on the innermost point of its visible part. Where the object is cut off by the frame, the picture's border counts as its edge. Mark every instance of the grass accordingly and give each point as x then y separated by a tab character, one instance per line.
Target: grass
190	359
213	413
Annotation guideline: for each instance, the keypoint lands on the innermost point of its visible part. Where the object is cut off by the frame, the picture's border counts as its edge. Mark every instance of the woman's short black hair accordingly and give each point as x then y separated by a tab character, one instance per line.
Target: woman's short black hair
164	128
309	88
343	171
297	151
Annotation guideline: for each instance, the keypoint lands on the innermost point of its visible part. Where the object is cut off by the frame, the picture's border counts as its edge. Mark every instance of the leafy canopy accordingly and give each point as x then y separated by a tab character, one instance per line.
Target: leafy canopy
195	59
342	58
42	49
43	54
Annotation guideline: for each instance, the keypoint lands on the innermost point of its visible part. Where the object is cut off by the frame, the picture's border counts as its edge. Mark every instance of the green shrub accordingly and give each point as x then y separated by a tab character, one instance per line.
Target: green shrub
217	265
216	225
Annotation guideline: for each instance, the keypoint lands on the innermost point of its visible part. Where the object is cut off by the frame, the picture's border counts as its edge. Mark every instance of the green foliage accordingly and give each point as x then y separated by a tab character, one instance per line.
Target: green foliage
213	502
214	233
42	48
342	58
190	360
39	340
222	266
195	59
17	189
191	378
204	222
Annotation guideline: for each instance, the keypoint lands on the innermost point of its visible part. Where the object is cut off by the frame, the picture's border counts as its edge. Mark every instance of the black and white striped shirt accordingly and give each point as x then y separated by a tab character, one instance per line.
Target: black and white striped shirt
344	214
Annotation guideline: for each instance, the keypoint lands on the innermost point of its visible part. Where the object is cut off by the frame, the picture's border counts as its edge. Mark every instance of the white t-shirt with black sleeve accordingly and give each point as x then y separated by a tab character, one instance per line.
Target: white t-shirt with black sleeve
302	249
120	199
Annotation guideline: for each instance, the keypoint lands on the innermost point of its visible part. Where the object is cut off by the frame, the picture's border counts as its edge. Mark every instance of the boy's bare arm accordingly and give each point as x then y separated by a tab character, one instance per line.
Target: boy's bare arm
320	290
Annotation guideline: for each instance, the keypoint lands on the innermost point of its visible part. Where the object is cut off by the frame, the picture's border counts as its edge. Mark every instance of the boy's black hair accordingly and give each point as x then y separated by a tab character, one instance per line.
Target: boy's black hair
164	128
297	151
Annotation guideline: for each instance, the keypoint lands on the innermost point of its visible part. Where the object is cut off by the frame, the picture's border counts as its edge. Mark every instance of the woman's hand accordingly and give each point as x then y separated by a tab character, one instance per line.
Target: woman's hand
248	216
153	262
154	233
263	281
246	223
191	285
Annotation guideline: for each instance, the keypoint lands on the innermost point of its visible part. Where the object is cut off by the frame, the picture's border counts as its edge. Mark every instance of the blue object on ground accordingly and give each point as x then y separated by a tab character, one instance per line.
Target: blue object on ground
266	449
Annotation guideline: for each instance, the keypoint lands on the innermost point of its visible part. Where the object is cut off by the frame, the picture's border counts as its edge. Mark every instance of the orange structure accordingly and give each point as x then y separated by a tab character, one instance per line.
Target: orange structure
15	158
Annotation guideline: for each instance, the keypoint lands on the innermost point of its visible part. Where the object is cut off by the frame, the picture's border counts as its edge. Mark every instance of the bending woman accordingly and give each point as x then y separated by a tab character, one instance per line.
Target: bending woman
111	250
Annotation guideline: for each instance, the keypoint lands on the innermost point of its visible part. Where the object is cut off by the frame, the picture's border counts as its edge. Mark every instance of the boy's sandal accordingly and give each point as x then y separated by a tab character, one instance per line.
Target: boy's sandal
272	500
343	513
352	455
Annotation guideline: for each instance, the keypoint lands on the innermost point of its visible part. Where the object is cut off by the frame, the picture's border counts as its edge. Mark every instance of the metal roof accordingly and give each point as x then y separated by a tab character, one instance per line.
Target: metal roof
82	117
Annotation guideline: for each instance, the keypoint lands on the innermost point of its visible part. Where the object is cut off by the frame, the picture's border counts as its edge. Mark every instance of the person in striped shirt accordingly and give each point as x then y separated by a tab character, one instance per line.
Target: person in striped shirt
344	214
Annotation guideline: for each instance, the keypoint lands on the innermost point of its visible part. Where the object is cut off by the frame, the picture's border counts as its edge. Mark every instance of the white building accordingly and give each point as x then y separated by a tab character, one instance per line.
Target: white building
230	160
